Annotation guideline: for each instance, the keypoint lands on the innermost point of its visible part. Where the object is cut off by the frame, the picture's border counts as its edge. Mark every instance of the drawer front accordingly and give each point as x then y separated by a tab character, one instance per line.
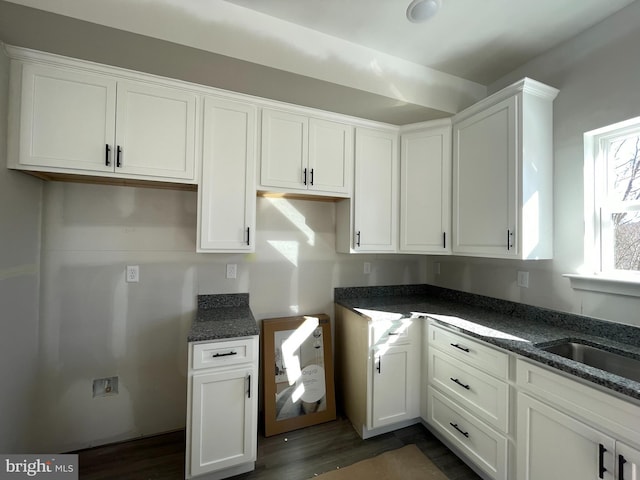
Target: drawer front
485	358
478	442
395	332
485	396
223	353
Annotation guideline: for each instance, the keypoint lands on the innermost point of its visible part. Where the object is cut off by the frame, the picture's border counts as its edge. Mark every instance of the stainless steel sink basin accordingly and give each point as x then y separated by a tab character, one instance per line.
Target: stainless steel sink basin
596	357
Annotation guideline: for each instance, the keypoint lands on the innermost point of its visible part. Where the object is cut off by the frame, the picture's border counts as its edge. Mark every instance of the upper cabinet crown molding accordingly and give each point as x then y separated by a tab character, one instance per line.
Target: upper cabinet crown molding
503	174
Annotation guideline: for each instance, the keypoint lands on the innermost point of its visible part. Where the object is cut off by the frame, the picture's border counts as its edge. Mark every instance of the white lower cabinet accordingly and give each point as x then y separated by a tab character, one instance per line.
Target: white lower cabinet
222	408
570	431
393	399
467	399
554	445
378	372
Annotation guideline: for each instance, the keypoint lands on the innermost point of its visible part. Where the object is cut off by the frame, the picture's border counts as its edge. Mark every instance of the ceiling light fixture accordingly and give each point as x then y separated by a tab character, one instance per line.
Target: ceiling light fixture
422	10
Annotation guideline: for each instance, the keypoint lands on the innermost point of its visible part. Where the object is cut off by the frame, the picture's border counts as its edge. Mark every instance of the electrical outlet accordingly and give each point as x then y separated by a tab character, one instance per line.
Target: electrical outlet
436	268
232	270
133	274
523	279
367	268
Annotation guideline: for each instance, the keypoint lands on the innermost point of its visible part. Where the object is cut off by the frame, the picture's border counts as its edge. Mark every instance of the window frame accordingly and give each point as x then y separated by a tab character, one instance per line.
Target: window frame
598	272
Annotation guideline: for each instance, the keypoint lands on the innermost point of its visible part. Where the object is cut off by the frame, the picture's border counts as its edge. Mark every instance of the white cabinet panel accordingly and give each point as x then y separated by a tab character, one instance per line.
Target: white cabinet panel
375	203
67	119
503	174
227	193
554	445
425	189
284	150
330	156
156	129
222	419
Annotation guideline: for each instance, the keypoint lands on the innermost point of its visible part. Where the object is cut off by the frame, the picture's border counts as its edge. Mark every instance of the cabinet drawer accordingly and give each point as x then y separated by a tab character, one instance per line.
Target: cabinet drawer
485	396
223	353
470	351
395	332
482	445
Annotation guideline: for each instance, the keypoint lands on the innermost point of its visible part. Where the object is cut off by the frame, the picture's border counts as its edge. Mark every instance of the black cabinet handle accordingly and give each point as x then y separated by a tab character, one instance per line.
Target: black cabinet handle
621	462
312	176
305	176
379	367
248	235
216	355
455	425
601	468
107	149
509	237
459	347
249	389
444	239
118	153
460	383
358	241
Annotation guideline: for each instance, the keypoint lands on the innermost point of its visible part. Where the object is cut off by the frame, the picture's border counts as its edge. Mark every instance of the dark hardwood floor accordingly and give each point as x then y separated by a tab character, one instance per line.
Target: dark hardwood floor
297	455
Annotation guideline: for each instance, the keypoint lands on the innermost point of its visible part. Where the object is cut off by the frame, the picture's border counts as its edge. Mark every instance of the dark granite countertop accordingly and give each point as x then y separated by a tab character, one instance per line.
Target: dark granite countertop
223	316
518	328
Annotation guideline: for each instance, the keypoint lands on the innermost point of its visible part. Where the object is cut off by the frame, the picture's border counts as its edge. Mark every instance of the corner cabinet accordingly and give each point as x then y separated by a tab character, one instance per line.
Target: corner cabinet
74	120
425	188
503	174
369	221
378	371
222	408
227	191
305	155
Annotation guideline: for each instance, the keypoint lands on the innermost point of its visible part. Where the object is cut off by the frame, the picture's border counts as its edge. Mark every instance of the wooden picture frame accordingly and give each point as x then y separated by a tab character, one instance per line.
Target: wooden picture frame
297	366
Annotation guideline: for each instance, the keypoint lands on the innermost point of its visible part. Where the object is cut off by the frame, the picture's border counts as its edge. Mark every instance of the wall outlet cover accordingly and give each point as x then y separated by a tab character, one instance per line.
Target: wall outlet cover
232	270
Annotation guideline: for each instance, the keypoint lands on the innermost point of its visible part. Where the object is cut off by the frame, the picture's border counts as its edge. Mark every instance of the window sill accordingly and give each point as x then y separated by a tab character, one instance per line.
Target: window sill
619	285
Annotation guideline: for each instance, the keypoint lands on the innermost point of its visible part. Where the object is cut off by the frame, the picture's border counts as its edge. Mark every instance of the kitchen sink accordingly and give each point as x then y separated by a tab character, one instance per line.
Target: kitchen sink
597	357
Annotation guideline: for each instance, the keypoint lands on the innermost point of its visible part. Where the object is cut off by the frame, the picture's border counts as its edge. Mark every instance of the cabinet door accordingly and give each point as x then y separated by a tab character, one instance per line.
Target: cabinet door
330	156
425	194
627	462
552	445
227	192
376	191
484	182
223	419
285	150
67	119
394	385
156	131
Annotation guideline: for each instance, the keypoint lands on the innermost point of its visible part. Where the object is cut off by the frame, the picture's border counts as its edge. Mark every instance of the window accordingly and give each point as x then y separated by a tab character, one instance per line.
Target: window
615	154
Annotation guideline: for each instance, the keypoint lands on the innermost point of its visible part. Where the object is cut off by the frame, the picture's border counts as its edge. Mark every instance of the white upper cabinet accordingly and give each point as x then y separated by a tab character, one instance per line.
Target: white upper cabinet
155	131
305	155
369	221
91	123
425	188
227	192
502	174
67	119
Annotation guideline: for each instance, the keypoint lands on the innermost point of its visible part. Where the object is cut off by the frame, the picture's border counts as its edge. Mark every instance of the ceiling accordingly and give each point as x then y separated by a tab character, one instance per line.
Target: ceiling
356	57
479	40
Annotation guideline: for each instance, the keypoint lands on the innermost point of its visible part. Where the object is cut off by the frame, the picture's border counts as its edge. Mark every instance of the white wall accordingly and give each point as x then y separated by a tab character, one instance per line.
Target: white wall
96	325
598	74
20	198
